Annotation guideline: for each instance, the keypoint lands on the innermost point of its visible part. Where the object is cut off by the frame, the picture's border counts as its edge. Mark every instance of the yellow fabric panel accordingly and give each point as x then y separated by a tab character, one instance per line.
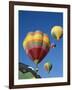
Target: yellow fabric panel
28	38
46	39
38	36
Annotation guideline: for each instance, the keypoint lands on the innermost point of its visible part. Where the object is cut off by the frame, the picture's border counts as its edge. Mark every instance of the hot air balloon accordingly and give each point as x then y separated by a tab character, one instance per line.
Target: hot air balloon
57	32
48	66
36	45
53	45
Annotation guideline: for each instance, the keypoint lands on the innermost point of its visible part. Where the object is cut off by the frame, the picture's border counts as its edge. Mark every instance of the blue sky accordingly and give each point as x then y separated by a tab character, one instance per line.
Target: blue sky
43	21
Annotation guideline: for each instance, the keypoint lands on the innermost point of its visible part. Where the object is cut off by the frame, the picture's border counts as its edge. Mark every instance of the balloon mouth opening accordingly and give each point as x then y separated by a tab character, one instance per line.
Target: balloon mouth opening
57	38
36	61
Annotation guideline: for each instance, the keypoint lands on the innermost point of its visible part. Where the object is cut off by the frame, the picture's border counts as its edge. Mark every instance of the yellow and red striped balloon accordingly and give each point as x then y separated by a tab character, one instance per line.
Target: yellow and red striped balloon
36	45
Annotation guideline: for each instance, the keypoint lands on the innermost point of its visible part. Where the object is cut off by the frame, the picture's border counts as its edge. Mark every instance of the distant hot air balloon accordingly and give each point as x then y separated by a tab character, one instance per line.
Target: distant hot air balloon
48	66
53	45
36	45
57	32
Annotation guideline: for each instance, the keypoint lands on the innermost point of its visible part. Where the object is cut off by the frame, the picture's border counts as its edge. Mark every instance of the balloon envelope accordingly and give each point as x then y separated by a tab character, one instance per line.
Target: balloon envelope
57	32
48	66
36	45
